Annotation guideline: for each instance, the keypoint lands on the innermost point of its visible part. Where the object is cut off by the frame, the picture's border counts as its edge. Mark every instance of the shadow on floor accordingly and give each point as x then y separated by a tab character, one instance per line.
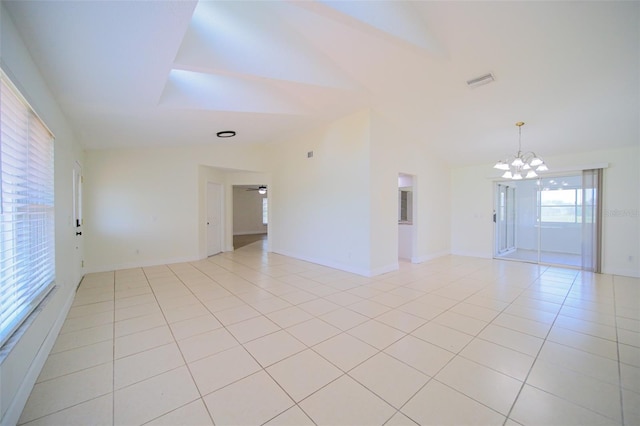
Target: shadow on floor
243	240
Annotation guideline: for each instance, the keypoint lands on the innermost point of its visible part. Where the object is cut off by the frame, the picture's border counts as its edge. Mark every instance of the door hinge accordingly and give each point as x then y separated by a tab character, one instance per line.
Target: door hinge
82	263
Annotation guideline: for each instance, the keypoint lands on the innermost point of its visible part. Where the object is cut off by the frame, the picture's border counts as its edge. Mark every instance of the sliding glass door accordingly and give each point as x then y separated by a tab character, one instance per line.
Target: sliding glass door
550	220
505	219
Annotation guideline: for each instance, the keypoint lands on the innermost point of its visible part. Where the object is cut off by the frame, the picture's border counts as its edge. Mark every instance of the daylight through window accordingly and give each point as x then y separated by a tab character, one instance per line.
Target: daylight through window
27	258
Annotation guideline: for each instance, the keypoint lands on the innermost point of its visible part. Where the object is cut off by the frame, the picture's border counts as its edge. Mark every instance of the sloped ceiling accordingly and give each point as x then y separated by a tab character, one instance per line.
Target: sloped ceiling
160	73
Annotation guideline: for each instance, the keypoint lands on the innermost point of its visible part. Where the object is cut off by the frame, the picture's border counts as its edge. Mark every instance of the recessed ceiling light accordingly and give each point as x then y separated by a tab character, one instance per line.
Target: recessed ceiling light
226	134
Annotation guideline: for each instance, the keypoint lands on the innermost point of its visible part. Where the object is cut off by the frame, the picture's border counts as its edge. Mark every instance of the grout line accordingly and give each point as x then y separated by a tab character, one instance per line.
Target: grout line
113	357
615	319
239	279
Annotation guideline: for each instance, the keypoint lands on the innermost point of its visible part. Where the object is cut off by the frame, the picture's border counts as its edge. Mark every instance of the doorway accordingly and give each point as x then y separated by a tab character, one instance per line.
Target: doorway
406	215
551	220
78	221
214	218
250	215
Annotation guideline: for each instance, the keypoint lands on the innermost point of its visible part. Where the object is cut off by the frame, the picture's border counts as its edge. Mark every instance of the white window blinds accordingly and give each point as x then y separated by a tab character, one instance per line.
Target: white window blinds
27	258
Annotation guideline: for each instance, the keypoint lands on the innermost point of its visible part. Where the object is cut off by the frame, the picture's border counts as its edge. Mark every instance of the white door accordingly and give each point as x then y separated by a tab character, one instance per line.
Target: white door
214	218
77	221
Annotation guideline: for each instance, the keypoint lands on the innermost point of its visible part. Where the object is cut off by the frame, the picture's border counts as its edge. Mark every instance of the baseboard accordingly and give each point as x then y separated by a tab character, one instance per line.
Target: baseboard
634	273
385	269
328	263
14	410
263	232
428	257
142	264
481	255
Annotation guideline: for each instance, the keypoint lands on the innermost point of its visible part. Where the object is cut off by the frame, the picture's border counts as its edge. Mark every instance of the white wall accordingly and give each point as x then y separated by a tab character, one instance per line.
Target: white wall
394	151
147	206
247	212
21	366
319	206
472	207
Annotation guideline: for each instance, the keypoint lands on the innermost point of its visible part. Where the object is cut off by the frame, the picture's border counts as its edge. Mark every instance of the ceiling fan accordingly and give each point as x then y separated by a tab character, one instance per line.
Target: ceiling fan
262	189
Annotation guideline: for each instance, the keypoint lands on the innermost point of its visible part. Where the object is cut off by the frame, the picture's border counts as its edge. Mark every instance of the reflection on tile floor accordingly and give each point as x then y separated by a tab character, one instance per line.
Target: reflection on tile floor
546	257
250	338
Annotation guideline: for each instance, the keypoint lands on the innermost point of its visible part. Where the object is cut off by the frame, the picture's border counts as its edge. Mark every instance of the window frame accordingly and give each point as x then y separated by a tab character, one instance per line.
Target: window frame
576	205
27	209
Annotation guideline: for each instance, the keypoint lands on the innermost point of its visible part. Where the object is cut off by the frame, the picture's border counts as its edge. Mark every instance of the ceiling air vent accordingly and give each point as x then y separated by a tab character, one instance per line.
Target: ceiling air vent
479	81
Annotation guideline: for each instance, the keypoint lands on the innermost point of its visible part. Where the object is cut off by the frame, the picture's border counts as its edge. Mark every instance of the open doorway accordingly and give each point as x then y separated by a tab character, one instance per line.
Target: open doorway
406	214
250	215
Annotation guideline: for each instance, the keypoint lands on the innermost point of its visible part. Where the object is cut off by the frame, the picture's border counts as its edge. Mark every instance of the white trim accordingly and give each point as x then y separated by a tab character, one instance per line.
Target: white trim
428	257
338	265
130	265
385	269
472	254
624	272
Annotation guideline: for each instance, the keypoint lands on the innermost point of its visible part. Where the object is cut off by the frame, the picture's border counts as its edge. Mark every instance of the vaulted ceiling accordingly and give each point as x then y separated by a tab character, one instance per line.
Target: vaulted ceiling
163	73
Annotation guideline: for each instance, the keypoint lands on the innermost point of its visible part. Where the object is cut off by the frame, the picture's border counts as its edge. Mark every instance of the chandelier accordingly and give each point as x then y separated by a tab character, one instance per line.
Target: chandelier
528	162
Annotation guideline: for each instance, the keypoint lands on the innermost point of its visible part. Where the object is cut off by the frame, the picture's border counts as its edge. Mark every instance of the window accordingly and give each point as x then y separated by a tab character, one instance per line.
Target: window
405	206
561	205
265	211
27	261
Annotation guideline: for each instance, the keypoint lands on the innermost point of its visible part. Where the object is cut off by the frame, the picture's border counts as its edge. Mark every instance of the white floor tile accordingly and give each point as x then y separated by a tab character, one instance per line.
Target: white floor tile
67	391
376	334
390	379
62	363
345	351
421	355
219	370
443	336
154	397
252	328
598	396
294	416
274	347
342	354
537	407
346	402
437	404
489	387
250	401
193	414
144	365
206	344
499	358
98	412
304	373
313	331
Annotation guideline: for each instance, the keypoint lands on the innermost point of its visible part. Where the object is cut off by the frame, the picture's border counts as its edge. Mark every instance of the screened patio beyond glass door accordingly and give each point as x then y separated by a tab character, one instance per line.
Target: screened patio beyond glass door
549	220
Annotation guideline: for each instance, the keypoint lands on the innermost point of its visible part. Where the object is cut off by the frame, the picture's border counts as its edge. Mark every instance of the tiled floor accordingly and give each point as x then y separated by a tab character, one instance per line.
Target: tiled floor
250	338
547	257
